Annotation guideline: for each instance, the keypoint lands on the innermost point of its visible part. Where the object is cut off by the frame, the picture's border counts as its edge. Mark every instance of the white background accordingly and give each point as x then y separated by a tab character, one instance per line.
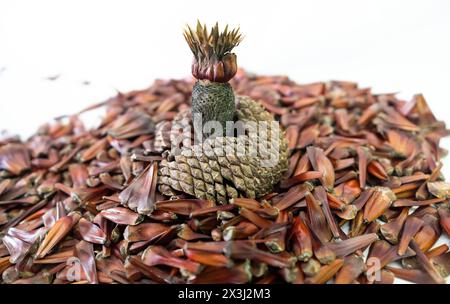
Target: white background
392	46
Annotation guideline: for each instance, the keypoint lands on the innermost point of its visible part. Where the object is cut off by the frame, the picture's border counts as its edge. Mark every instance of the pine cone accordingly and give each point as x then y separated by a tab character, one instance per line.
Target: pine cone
227	167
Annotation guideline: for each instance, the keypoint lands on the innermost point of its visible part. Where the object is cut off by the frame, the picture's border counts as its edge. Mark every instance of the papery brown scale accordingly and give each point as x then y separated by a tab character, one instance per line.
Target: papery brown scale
391	230
317	219
122	216
276	239
300	178
243	250
303	165
412	275
308	136
254	218
186	233
208	259
426	264
444	219
90	232
348	246
59	257
14	158
183	206
56	233
326	272
293	195
85	253
157	255
385	253
239	274
377	170
321	196
153	272
321	163
343	163
292	135
353	267
380	201
311	267
242	230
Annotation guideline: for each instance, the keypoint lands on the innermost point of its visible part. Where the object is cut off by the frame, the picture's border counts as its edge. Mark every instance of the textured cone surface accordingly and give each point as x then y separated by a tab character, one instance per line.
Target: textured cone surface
227	167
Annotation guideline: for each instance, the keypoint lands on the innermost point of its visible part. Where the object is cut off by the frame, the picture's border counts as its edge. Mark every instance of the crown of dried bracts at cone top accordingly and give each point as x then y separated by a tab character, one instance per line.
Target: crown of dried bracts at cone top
213	59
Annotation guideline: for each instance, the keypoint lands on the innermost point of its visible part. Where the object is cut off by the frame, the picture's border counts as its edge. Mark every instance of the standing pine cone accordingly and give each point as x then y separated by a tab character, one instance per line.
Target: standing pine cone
227	167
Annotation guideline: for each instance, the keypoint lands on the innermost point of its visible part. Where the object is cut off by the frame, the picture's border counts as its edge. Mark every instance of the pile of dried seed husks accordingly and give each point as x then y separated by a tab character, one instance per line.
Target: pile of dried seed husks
364	174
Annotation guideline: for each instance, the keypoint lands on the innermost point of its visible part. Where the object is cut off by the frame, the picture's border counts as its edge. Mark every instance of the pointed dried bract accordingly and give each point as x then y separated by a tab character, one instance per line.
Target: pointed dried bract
391	230
17	248
157	255
276	238
412	226
326	272
321	163
426	264
311	267
79	175
93	150
14	158
317	219
444	218
241	231
377	170
186	233
239	274
144	232
122	216
380	201
294	194
131	124
300	178
322	197
301	238
59	230
137	196
254	218
386	253
412	275
439	189
90	232
363	161
353	267
441	263
183	206
243	250
85	253
208	259
348	246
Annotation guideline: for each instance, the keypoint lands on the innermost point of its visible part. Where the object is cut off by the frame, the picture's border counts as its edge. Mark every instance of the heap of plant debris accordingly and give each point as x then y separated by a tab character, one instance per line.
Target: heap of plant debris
364	173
